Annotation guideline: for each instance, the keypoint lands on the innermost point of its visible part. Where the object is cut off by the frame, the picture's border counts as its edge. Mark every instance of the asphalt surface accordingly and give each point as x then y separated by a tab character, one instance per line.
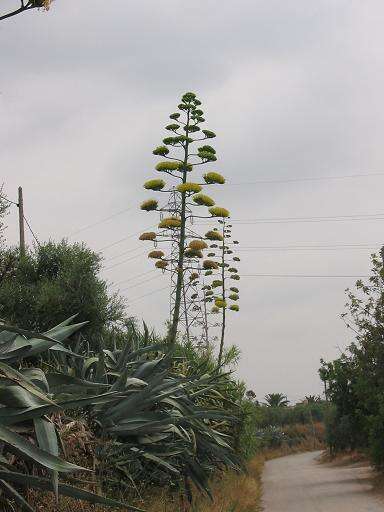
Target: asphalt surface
299	483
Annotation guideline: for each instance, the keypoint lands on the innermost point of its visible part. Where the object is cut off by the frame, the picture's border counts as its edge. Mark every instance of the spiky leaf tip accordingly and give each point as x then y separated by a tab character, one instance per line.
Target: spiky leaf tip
234	307
189	187
218	211
203	200
149	205
170	223
234	296
214	178
150	235
161	264
168	166
197	245
156	255
154	184
210	265
213	235
161	150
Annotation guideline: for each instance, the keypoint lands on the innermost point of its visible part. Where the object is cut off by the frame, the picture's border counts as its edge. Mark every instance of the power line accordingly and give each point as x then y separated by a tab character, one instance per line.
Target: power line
150	293
30	229
8	200
308	276
133	278
141	283
312	178
101	221
123	253
283	220
125	238
126	261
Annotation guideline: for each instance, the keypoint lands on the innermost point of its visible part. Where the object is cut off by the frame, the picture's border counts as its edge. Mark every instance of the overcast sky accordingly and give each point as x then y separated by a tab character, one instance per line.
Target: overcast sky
293	89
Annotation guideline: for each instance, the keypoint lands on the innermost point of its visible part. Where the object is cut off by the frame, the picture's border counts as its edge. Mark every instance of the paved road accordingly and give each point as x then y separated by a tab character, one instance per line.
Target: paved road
298	483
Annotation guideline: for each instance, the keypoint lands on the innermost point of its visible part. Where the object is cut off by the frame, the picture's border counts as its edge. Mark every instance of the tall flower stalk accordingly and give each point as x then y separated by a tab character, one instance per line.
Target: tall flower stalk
176	228
229	294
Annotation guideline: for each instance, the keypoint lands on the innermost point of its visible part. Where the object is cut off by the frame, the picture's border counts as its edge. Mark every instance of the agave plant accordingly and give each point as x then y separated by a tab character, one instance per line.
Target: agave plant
26	400
163	422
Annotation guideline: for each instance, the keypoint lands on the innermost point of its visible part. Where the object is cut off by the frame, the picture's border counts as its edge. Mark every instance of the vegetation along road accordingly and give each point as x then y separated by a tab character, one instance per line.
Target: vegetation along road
300	483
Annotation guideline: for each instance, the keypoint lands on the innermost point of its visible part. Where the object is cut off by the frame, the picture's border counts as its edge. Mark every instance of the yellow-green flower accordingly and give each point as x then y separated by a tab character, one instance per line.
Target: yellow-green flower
156	255
203	200
150	235
210	265
234	289
189	187
208	273
216	283
170	223
220	303
214	177
149	205
168	166
161	264
234	307
215	310
154	184
208	293
236	277
233	270
234	296
198	245
213	235
217	211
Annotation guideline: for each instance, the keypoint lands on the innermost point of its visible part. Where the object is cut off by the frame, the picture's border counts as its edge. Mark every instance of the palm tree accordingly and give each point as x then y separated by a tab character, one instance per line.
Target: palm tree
276	400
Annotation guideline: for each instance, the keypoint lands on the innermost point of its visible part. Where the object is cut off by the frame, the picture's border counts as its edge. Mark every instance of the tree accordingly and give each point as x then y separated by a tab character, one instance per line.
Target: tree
52	282
26	5
186	247
276	400
355	381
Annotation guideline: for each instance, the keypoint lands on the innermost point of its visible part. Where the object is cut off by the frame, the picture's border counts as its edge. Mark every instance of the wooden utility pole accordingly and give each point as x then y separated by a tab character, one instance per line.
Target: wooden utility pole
21	222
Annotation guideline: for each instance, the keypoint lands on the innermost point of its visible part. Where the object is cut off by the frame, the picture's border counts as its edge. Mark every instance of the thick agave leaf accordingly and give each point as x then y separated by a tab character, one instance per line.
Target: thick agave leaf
30	451
66	490
24	383
47	440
